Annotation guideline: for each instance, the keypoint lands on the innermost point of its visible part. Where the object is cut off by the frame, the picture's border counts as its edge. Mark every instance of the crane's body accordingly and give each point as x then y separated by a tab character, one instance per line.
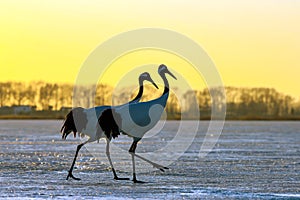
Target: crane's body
84	121
141	117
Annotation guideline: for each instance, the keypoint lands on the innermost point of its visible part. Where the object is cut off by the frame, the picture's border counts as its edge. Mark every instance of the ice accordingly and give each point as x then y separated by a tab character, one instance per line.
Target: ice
257	160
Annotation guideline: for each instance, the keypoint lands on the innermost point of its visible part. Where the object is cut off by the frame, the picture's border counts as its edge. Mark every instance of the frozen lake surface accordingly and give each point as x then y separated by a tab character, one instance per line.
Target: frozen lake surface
251	160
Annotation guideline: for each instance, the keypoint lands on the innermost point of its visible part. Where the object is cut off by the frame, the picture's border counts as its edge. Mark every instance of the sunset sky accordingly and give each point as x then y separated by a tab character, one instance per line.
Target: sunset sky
252	43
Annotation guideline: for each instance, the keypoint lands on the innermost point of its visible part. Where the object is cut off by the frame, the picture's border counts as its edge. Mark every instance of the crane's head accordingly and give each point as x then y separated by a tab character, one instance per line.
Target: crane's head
162	69
146	77
75	122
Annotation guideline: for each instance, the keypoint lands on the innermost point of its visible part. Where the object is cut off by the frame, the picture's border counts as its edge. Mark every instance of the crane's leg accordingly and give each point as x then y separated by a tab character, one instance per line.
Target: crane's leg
160	167
133	154
74	160
131	151
110	162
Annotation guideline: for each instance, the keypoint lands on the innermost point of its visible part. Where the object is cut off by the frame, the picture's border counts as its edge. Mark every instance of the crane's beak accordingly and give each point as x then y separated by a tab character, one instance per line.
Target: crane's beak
172	75
154	84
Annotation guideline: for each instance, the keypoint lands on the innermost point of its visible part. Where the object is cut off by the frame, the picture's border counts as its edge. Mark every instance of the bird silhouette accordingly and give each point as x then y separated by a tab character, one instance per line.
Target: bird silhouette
85	121
136	119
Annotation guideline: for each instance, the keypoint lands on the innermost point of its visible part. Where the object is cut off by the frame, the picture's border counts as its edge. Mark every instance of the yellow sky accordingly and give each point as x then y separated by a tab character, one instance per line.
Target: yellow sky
253	43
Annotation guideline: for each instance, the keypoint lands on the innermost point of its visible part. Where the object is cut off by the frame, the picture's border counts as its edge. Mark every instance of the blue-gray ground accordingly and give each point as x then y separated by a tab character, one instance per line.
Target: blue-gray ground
251	160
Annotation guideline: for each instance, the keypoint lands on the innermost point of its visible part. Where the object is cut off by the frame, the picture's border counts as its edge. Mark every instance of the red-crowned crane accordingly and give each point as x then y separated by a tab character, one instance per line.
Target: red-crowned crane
136	119
85	121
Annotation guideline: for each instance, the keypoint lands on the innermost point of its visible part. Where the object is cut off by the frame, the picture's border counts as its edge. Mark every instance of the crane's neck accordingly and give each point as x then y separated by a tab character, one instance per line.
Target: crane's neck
166	83
140	93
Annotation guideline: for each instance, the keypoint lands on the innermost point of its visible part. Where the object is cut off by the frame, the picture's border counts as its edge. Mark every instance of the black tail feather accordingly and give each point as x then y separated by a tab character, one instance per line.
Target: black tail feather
110	121
71	125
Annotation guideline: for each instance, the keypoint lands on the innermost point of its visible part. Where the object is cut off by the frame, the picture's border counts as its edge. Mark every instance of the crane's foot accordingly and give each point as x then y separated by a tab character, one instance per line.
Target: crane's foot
117	178
160	167
136	181
73	177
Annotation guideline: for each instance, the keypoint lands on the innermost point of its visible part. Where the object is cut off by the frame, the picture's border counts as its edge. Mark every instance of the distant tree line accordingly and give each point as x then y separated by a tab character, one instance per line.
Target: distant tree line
40	94
259	101
240	102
